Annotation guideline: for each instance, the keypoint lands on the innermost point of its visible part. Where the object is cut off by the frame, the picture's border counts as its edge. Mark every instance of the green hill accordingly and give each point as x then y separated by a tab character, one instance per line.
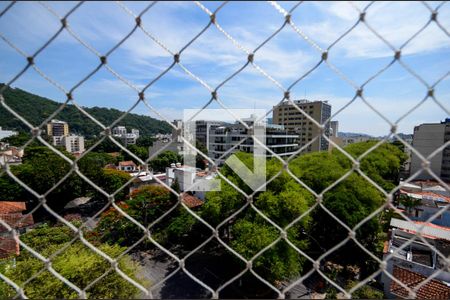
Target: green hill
35	109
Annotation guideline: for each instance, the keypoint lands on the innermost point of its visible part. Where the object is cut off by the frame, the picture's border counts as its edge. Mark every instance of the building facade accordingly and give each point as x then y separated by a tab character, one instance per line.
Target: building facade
119	130
126	138
334	128
228	139
165	142
74	143
57	128
427	138
295	122
135	132
417	261
202	130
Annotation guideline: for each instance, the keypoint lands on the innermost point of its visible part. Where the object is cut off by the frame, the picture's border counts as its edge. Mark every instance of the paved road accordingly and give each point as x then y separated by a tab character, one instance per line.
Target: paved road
210	270
156	267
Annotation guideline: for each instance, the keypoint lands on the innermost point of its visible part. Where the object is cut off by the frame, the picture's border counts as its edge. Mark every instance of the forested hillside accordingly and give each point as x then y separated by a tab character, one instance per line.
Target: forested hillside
35	109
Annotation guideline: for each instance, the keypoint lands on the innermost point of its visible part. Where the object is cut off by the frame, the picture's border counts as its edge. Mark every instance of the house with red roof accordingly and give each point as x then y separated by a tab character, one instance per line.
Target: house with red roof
428	200
11	213
127	166
411	260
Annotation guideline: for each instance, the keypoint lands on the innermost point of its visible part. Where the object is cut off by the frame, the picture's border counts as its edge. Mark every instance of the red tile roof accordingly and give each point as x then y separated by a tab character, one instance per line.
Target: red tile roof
7	207
8	246
432	225
15	220
434	289
127	163
428	194
191	201
428	225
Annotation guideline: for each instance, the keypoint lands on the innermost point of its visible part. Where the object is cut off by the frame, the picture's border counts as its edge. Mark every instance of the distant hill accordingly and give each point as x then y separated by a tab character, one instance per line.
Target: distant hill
35	109
352	134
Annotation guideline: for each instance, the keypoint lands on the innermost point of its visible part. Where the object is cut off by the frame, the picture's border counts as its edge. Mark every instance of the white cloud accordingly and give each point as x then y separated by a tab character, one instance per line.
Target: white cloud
395	21
213	58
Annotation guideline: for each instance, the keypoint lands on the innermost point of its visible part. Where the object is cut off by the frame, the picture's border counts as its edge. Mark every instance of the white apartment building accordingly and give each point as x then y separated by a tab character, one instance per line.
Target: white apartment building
127	138
223	138
119	130
135	132
334	128
74	143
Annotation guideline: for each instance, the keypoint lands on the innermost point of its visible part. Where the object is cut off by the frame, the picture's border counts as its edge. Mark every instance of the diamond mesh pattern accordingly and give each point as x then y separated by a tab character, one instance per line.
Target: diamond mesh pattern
288	23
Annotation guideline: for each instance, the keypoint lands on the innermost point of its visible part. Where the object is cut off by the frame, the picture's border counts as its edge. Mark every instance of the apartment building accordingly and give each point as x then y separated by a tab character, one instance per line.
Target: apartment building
172	142
223	138
202	129
334	128
427	138
74	143
126	138
60	136
119	130
414	263
295	122
57	128
135	132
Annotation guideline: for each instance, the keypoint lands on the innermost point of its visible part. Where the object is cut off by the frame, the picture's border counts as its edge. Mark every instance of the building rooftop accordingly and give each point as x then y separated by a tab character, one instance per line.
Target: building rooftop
7	207
430	230
54	121
127	163
16	220
434	289
191	201
427	195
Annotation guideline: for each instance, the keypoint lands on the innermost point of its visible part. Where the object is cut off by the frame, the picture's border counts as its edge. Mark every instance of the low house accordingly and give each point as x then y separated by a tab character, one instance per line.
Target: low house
425	205
127	166
11	213
10	155
143	178
414	262
191	201
434	289
196	181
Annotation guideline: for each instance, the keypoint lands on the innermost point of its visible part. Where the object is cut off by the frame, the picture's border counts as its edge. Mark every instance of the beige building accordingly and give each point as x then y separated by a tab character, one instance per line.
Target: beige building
427	138
57	128
294	121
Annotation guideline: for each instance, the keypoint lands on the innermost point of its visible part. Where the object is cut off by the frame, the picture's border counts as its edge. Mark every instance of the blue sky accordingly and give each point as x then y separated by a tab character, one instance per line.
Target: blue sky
212	57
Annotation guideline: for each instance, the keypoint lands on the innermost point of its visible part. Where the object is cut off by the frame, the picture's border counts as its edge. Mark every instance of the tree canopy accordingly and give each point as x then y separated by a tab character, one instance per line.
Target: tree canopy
164	159
79	264
145	205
